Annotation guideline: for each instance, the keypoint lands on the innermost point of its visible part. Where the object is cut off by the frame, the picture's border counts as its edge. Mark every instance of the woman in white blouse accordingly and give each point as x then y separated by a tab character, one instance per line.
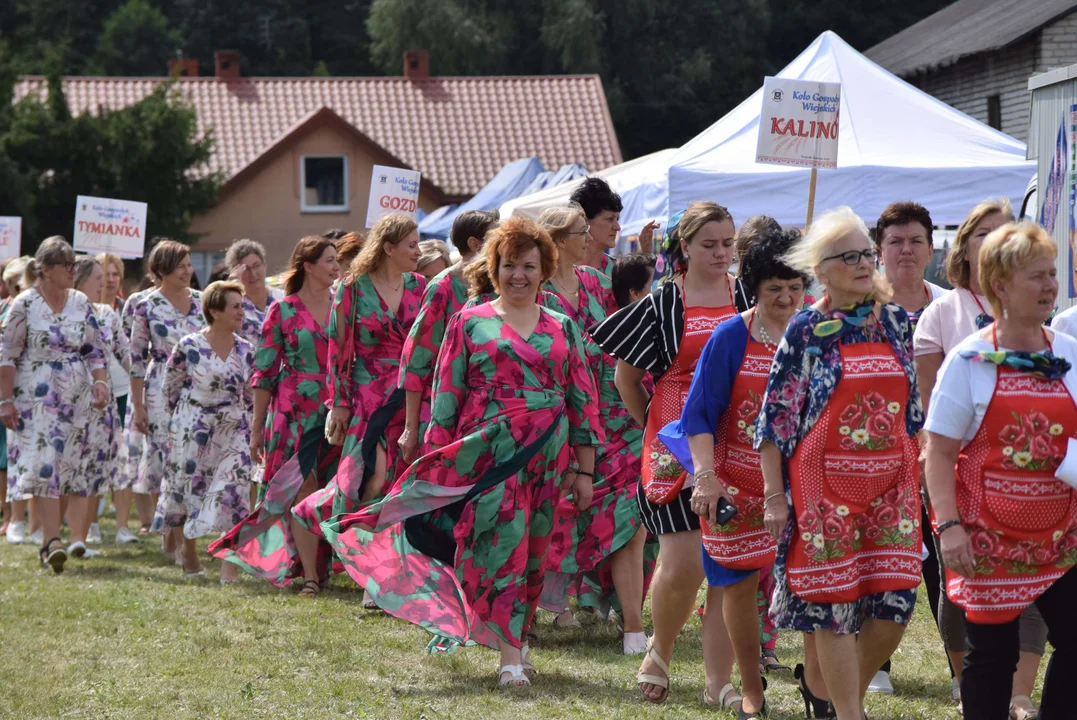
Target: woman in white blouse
1001	415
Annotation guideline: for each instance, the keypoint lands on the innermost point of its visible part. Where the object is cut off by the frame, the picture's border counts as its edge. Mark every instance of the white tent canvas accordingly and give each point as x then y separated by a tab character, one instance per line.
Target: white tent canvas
640	182
895	143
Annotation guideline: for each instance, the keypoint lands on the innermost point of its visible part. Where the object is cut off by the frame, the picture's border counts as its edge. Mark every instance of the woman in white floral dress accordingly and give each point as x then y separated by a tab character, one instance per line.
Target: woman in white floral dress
102	451
208	394
164	316
246	263
53	374
133	440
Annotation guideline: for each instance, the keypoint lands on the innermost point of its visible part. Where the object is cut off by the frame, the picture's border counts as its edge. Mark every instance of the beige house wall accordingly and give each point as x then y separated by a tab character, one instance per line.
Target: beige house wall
266	206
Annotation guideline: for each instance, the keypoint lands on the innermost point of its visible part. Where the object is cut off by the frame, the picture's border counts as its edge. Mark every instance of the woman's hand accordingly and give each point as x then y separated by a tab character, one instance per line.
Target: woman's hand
776	515
101	396
706	493
258	445
339	418
9	415
140	419
408	443
646	237
583	491
956	550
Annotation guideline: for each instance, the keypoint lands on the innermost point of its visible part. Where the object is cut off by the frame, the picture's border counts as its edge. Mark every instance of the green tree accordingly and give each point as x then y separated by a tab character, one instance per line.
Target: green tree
136	40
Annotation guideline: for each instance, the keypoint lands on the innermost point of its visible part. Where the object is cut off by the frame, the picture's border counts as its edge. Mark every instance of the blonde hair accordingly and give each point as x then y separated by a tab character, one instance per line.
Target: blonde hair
432	251
390	230
1008	248
107	260
558	220
958	271
15	274
478	277
825	232
215	297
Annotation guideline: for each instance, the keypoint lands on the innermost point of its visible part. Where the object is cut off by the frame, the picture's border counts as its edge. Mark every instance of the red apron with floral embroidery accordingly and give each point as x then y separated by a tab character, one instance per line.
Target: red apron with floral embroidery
1022	520
663	476
855	486
744	543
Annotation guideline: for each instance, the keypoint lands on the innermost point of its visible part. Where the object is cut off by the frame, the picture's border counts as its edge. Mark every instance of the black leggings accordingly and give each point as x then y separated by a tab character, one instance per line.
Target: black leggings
987	681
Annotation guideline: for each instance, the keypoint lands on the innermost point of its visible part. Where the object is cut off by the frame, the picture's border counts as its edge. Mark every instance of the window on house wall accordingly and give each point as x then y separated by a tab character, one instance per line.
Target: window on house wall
994	111
324	182
203	263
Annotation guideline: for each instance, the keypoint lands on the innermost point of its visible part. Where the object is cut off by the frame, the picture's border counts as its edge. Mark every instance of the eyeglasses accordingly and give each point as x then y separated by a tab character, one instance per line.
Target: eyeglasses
70	267
852	257
586	231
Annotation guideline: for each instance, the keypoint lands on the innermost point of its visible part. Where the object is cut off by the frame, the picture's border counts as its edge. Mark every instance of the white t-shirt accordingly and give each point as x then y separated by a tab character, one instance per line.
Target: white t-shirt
947	321
965	387
1066	321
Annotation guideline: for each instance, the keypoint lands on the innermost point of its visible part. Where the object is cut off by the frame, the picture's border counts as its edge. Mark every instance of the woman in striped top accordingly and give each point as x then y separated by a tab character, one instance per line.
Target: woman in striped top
664	334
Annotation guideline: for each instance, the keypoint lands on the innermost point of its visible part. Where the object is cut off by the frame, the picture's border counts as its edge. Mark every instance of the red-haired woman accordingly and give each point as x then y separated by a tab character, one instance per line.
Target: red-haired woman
461	539
290	396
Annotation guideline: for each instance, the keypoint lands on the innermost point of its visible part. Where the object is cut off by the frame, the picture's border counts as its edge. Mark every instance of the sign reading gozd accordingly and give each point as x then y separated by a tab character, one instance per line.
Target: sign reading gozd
393	191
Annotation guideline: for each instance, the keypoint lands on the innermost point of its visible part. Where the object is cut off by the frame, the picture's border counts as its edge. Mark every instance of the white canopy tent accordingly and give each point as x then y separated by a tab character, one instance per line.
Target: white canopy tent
895	143
640	182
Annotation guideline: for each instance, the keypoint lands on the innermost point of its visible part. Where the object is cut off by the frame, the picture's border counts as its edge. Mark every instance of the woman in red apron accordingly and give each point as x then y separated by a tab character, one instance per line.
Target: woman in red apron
663	334
840	417
1002	415
713	441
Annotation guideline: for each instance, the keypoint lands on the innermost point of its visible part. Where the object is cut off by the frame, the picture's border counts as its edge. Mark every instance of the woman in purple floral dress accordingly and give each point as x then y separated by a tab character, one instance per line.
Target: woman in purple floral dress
374	308
53	374
291	396
206	484
132	440
246	263
460	541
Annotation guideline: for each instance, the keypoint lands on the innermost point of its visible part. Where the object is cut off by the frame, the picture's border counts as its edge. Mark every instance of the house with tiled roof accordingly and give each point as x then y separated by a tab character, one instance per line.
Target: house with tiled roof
977	55
297	153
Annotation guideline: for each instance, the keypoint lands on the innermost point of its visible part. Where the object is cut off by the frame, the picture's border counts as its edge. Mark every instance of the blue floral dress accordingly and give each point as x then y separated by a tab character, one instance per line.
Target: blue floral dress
103	446
53	355
207	469
155	329
806	369
253	318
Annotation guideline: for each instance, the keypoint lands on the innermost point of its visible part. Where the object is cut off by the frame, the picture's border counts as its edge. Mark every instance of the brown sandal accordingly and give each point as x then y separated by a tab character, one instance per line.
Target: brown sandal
310	589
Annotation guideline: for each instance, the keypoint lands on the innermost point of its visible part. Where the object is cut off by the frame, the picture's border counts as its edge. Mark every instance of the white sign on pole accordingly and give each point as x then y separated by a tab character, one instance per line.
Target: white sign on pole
799	123
10	237
393	191
114	226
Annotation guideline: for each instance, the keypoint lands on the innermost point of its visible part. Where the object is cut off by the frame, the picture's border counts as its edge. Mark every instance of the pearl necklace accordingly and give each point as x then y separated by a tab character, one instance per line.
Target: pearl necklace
765	337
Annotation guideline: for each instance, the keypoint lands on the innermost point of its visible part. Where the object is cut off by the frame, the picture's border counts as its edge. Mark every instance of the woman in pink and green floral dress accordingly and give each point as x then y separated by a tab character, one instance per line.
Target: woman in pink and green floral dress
291	394
611	527
445	296
460	541
373	311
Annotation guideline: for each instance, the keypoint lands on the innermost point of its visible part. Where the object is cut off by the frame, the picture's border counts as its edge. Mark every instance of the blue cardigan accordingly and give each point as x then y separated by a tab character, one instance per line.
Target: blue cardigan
712	383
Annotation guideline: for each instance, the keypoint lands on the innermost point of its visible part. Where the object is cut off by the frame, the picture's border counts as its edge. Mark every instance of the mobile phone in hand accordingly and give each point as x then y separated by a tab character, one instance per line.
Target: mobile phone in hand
726	511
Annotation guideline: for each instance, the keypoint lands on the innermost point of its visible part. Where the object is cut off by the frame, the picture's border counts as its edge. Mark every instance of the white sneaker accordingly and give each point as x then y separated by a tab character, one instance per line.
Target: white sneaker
955	691
37	538
93	536
634	643
125	536
90	554
881	684
16	532
77	549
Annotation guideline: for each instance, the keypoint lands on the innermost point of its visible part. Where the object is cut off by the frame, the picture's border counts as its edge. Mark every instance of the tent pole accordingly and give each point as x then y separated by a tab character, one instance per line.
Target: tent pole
811	197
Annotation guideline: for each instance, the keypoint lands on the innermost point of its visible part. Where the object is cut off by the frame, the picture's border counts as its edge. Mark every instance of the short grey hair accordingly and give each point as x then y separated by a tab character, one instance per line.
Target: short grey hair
240	249
83	269
52	251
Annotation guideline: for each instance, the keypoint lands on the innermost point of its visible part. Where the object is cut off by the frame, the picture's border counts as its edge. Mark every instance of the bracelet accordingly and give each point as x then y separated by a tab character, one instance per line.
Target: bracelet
7	401
943	527
704	473
770	497
101	382
588	474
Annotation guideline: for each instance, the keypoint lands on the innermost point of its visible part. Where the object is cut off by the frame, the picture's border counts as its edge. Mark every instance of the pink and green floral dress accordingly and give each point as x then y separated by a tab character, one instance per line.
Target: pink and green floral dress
292	364
207	462
583	540
460	542
446	295
366	339
156	328
53	355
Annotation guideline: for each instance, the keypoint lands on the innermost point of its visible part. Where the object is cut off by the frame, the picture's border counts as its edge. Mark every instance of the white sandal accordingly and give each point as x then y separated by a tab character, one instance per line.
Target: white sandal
516	678
634	643
728	698
656	680
528	669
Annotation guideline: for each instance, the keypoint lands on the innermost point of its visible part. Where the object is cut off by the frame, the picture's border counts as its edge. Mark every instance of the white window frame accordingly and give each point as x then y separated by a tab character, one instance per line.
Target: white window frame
303	207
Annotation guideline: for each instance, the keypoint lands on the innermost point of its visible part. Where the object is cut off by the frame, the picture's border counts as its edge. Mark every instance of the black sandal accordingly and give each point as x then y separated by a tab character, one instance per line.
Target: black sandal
310	589
814	707
742	715
54	558
769	662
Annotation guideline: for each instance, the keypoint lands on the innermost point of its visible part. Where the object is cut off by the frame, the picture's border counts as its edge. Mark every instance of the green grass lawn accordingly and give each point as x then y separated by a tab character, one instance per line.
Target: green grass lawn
123	636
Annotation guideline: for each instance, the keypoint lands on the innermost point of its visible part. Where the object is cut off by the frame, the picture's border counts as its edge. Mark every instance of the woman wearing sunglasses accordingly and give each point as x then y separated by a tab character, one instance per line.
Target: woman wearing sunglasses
836	437
53	376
